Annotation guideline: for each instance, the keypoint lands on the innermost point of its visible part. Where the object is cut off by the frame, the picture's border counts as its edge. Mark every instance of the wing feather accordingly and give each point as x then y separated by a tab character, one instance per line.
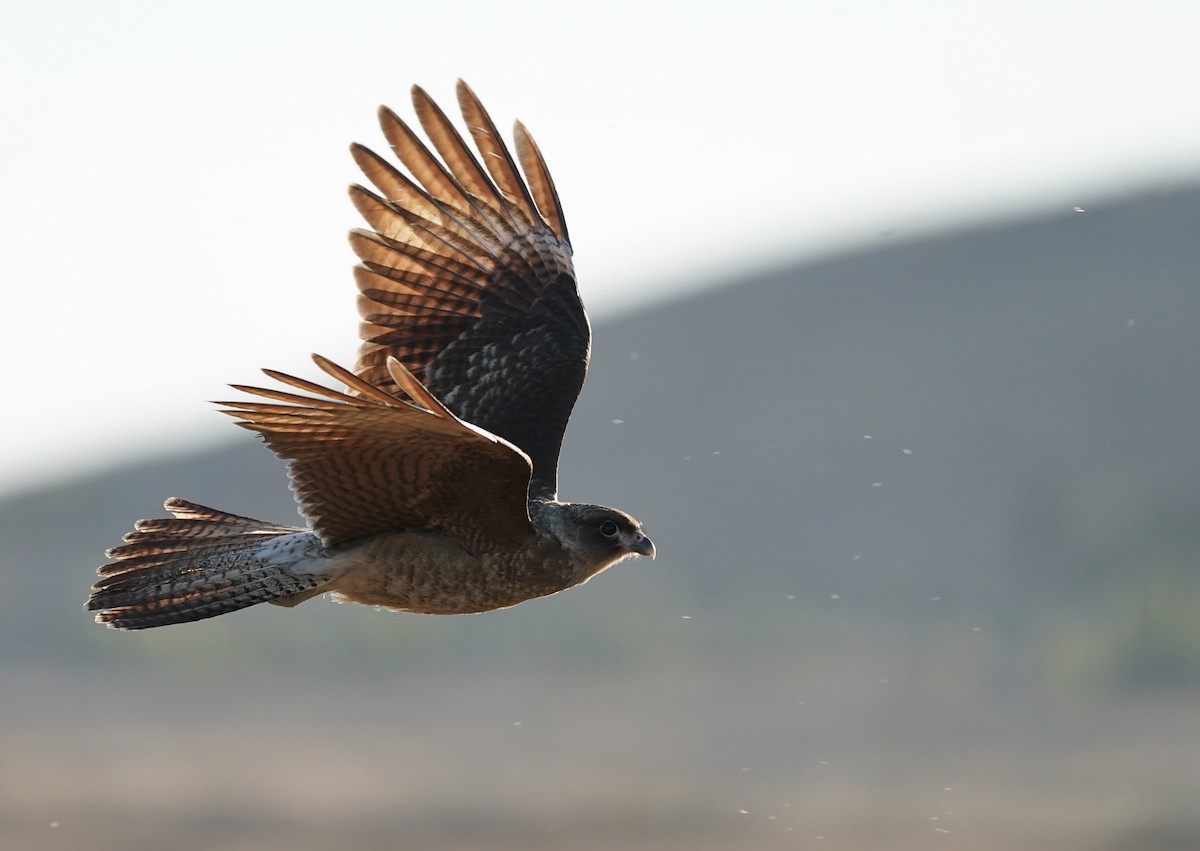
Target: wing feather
541	183
394	184
462	163
389	219
376	250
495	154
372	462
431	174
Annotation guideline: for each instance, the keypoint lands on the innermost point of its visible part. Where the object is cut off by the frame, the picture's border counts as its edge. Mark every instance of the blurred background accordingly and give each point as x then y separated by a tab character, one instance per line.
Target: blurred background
895	315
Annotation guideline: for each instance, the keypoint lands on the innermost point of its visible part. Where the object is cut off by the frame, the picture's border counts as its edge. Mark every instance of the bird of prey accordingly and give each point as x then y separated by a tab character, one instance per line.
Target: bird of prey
431	483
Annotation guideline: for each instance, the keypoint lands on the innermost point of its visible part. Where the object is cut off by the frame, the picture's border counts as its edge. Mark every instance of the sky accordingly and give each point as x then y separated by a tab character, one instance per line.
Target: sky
174	173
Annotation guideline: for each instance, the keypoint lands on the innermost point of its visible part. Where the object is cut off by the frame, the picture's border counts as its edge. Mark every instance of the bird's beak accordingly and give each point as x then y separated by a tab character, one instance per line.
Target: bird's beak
642	545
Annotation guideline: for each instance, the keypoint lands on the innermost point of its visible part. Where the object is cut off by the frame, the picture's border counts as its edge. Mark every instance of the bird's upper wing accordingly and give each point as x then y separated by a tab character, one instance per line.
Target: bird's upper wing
466	279
372	462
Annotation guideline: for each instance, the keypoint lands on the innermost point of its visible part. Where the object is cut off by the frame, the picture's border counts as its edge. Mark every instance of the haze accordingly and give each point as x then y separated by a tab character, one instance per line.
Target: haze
174	174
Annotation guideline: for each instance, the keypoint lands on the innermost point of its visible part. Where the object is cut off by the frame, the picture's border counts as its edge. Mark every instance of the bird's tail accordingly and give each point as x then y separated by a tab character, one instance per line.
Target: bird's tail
199	564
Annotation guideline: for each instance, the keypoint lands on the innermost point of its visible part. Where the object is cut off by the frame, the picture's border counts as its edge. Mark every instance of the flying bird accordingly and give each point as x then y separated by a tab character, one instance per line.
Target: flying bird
430	484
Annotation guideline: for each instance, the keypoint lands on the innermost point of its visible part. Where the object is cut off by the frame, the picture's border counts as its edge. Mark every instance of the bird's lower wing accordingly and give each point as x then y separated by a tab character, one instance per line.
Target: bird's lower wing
372	462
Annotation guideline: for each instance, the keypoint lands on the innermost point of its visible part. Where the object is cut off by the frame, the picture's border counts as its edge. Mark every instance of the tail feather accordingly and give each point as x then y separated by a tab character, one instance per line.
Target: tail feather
199	564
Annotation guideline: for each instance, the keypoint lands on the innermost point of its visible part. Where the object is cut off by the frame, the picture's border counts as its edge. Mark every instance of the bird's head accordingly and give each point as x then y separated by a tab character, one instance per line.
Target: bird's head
595	536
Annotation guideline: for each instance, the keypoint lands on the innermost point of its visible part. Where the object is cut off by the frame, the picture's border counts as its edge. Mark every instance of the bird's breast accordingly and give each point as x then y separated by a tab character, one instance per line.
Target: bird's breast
430	573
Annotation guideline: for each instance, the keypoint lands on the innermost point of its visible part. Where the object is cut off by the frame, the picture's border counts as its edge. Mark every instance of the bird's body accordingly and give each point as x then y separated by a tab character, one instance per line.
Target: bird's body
430	485
424	572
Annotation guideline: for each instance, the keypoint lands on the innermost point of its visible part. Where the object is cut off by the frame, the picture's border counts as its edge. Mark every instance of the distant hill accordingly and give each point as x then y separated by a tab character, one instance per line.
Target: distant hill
983	426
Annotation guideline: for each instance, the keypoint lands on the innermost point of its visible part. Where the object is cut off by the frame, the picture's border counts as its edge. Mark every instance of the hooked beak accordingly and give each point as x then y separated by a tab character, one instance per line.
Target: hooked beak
641	545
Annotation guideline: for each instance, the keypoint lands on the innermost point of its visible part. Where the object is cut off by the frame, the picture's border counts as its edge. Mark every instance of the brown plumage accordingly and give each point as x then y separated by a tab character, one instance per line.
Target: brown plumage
430	485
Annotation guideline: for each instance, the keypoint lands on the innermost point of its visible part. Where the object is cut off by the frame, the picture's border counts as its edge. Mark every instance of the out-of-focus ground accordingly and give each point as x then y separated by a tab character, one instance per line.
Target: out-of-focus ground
928	578
437	761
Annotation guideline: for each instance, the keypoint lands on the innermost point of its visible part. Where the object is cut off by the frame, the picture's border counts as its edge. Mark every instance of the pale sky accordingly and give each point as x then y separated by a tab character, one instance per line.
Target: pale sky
174	174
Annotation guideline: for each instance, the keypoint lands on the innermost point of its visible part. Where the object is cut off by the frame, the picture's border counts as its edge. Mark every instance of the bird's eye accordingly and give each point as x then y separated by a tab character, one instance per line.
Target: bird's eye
608	529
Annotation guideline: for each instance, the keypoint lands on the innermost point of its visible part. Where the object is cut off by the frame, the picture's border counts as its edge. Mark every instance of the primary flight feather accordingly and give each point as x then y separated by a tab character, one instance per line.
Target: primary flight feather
431	483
